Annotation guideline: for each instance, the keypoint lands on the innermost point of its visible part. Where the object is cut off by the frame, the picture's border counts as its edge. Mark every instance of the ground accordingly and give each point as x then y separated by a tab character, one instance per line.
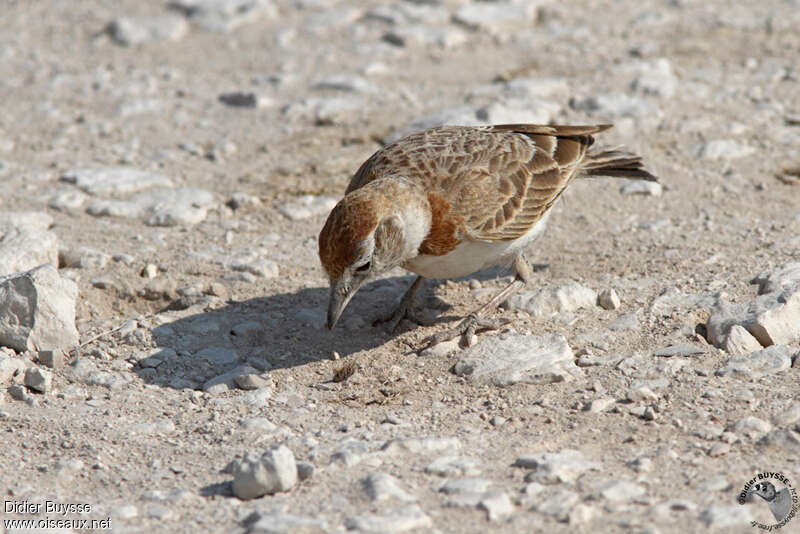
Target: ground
708	93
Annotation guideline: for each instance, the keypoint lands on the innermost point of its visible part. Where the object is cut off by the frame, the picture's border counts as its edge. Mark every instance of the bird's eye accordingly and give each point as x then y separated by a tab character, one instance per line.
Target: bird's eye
363	268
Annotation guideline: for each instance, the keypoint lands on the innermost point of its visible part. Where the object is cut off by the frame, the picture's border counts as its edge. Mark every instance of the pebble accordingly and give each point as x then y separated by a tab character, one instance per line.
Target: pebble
245	100
259	424
760	363
787	276
126	511
598	405
132	31
401	519
655	78
641	187
547	302
26	242
511	358
37	310
497	17
678	350
752	427
566	465
421	35
726	149
673	300
305	470
163	207
466	485
280	523
626	321
441	349
497	505
641	394
725	516
226	381
67	200
558	504
719	449
420	445
621	491
788	416
739	341
225	15
38	379
114	180
307	206
608	299
250	381
346	84
83	258
381	486
274	471
453	466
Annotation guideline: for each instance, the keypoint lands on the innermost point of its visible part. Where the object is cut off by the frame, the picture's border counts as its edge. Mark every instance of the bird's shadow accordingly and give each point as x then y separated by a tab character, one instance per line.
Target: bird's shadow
277	331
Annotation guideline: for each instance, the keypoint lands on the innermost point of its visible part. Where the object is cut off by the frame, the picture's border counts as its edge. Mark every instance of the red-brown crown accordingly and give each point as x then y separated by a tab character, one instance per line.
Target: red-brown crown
349	223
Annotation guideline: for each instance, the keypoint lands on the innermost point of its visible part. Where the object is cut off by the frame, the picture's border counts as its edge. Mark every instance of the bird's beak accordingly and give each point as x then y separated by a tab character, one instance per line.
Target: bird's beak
337	302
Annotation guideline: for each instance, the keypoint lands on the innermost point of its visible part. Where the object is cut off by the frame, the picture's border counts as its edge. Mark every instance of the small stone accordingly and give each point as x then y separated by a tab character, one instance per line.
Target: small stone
38	379
83	258
752	427
608	299
641	187
739	341
621	491
421	446
26	241
401	519
126	511
274	471
497	17
259	424
649	414
250	382
132	31
598	405
548	302
558	504
497	505
466	485
727	149
37	310
150	271
762	362
566	465
719	449
626	321
225	15
678	350
453	466
441	349
307	206
305	470
380	487
511	358
582	513
244	100
641	394
279	523
789	416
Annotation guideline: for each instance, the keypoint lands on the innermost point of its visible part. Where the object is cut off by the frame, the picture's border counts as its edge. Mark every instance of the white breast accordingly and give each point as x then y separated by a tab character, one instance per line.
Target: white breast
471	256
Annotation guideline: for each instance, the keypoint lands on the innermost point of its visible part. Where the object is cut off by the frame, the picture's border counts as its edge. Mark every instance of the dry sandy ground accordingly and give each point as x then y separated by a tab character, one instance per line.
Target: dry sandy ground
707	92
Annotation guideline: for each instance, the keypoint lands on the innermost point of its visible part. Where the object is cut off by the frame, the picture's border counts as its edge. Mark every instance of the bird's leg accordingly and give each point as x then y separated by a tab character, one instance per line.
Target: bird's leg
404	310
476	320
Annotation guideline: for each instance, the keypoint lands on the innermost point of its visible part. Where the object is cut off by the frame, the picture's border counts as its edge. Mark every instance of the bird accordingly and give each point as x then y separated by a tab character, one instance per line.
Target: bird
451	200
779	502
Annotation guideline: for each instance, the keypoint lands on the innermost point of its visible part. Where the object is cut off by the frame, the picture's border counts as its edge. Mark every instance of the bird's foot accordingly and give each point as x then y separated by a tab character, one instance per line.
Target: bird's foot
404	311
466	329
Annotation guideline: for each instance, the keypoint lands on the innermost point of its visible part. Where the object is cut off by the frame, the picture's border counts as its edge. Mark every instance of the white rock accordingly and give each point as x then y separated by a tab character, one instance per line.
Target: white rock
307	206
453	466
381	486
115	180
726	516
511	358
346	84
752	427
166	207
83	258
566	465
466	485
789	416
762	362
25	241
739	341
598	405
273	471
656	78
10	366
621	491
547	302
420	445
421	35
67	200
329	110
225	15
497	17
558	504
517	111
278	523
641	394
37	310
724	149
784	277
641	187
497	504
401	519
608	299
131	31
227	381
38	379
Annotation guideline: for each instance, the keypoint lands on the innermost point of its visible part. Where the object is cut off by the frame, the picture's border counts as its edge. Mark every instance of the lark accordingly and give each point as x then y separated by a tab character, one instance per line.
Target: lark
449	201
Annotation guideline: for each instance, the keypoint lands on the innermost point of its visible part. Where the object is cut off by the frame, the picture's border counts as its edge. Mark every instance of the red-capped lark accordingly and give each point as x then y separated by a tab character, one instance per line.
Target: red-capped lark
452	200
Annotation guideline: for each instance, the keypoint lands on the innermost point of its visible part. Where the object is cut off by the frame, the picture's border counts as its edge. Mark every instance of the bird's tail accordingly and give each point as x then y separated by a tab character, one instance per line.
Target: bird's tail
616	163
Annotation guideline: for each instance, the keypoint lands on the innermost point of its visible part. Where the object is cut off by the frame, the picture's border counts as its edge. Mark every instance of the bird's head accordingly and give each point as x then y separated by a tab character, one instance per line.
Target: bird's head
765	490
361	239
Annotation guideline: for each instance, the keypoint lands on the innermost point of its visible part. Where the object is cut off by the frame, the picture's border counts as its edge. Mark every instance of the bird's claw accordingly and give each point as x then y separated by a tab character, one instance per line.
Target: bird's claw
466	329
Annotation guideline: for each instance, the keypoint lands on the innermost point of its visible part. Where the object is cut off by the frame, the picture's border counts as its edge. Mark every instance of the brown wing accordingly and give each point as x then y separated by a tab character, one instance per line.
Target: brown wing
498	180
